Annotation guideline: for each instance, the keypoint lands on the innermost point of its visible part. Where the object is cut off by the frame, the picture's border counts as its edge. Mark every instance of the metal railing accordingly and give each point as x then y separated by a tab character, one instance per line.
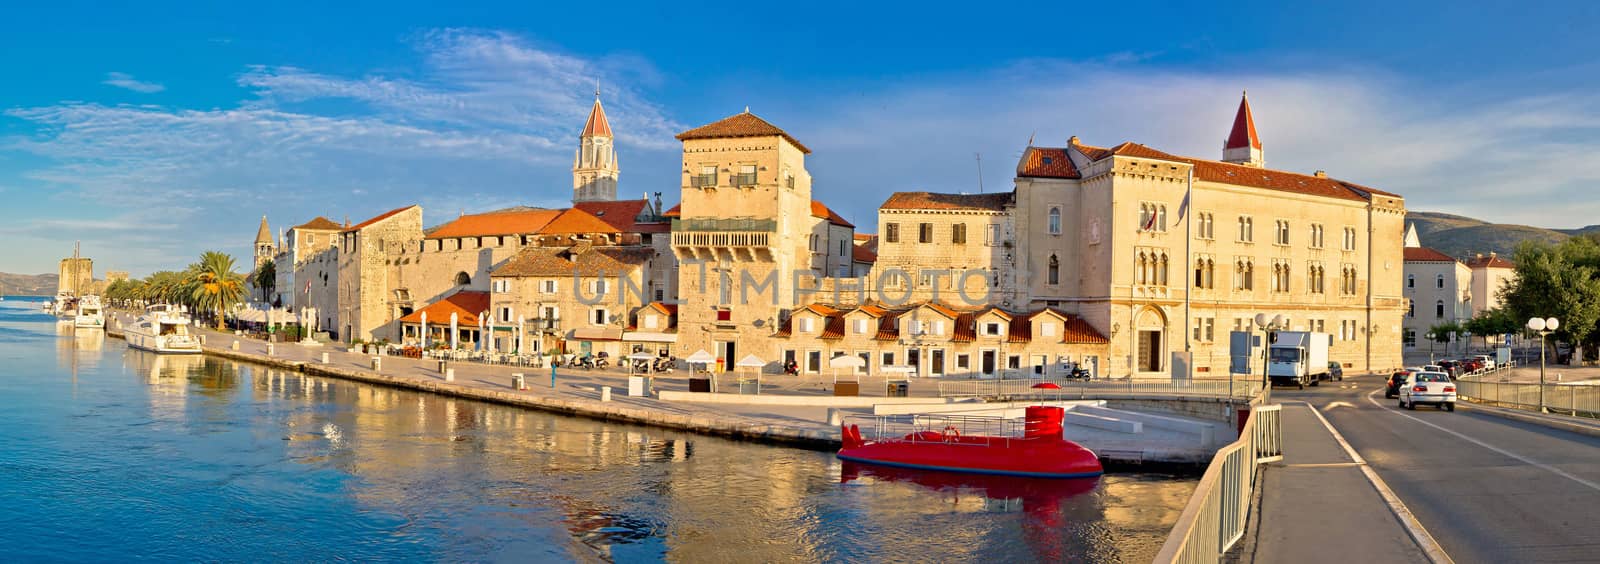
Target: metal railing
1573	399
743	179
1215	516
1082	389
702	180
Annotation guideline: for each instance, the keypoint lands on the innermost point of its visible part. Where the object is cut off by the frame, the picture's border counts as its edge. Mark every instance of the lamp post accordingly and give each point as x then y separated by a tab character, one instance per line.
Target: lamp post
1267	325
1432	340
1542	327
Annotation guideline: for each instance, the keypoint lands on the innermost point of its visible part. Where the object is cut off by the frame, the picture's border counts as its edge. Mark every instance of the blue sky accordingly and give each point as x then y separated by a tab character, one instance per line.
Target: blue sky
154	131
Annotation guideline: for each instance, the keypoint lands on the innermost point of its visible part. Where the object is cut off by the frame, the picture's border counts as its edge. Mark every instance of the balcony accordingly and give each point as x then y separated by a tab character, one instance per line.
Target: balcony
711	236
719	224
703	180
744	179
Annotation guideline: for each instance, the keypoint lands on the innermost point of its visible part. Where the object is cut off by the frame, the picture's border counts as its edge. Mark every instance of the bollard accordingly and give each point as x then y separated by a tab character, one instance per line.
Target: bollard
236	345
449	374
605	393
442	366
518	382
324	358
269	349
377	364
202	337
834	417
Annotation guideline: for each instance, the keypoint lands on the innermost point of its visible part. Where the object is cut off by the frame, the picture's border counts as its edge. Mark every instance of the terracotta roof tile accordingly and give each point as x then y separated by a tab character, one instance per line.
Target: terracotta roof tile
1244	128
621	214
1424	254
834	328
1046	162
319	224
743	124
1078	331
515	222
1240	175
935	201
466	306
675	211
1021	330
888	326
378	218
1490	261
587	261
669	309
596	125
872	310
966	330
574	220
860	253
822	211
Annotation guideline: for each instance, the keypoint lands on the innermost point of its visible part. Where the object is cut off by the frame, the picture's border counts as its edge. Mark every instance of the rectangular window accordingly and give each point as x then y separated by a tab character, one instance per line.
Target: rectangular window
724	315
600	316
805	325
1047	329
963	362
888	359
649	322
991	329
992	235
891	233
1055	220
707	177
925	233
1349	239
1282	236
861	326
550	286
844	248
746	177
958	233
1247	228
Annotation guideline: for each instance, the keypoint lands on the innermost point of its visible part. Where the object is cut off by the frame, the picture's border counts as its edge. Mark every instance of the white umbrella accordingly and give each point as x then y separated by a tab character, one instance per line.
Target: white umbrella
756	364
455	331
700	357
483	335
424	330
844	361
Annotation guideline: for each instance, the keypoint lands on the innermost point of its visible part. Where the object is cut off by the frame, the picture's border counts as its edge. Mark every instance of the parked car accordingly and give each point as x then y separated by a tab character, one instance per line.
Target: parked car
1488	361
1433	388
1451	367
1432	368
1396	381
1335	372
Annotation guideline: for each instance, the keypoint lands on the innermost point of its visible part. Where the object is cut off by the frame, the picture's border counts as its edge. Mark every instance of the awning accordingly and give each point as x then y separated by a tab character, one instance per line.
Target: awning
650	337
596	334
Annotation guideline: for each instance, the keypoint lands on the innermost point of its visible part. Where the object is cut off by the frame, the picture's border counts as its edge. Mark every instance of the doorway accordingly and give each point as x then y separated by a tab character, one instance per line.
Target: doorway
1149	351
936	362
987	362
724	352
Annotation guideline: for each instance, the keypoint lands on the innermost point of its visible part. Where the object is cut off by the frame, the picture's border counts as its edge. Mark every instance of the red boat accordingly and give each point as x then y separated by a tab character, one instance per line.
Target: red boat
1032	447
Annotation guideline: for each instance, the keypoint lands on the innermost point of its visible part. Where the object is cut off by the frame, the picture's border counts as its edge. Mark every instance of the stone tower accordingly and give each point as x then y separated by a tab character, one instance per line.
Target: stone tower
594	169
263	244
1243	146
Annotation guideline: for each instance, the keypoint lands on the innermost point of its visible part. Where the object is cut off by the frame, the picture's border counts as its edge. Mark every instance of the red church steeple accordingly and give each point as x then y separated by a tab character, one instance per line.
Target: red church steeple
1243	146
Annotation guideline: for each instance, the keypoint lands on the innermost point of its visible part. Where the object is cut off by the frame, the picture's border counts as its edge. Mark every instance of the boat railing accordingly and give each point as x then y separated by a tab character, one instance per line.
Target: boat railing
964	430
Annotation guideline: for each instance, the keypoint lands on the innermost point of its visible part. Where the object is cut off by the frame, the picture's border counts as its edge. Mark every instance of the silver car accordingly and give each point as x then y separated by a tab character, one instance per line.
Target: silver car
1434	388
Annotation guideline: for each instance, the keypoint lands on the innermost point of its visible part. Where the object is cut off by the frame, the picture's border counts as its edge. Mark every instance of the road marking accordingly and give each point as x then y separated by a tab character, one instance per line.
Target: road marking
1524	459
1332	405
1323	465
1425	541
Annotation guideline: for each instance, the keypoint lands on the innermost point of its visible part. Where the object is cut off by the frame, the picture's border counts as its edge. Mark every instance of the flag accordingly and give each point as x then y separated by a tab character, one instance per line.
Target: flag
1183	208
308	288
1149	224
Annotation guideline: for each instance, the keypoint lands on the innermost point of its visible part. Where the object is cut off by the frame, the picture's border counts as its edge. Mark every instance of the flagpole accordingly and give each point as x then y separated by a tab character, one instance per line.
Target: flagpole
1188	285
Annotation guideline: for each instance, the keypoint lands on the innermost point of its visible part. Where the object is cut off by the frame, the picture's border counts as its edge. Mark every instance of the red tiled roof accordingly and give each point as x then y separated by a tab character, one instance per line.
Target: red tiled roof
822	211
860	253
669	309
1424	254
743	124
935	201
586	261
1078	331
320	224
888	326
1244	128
1240	175
864	237
621	214
574	220
1046	162
872	310
997	311
378	218
966	330
1491	261
466	306
516	222
821	309
834	328
676	211
944	309
597	124
1021	330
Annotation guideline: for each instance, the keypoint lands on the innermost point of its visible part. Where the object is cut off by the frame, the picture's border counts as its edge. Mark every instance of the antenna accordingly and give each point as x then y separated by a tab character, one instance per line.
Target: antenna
979	157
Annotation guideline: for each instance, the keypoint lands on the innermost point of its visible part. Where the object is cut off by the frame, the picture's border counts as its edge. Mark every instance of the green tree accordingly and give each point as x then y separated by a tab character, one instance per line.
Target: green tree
1491	323
1561	281
1442	332
266	279
214	286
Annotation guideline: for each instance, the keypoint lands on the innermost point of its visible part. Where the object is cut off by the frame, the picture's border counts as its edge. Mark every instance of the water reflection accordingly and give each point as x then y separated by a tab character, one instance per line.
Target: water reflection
284	466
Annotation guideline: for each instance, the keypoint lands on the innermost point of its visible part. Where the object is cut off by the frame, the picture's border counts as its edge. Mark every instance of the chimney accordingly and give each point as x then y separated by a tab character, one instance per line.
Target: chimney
1322	174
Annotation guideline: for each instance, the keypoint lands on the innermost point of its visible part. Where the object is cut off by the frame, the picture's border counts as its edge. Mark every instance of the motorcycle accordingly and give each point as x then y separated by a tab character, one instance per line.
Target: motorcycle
601	361
663	364
791	368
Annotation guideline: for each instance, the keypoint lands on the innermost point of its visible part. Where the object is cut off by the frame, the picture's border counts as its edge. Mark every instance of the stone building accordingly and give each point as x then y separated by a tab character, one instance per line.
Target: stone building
1490	275
1438	291
75	276
264	249
594	169
576	299
969	235
307	269
1159	252
749	238
368	303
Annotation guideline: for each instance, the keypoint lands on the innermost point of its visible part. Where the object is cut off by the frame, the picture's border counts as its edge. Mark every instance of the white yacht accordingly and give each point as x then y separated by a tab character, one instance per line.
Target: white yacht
162	330
64	305
90	314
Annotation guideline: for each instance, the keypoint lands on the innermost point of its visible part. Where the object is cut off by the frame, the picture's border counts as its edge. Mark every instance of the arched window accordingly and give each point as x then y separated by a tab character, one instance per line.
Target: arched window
1438	281
1161	269
462	279
1438	309
1055	221
1411	280
1055	270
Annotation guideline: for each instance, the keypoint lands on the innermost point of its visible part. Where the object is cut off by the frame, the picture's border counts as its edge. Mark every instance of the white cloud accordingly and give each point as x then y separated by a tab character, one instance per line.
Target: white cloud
126	81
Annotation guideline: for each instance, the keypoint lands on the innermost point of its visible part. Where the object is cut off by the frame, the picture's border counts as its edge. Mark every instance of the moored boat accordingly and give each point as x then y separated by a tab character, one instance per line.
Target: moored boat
162	331
90	315
1032	447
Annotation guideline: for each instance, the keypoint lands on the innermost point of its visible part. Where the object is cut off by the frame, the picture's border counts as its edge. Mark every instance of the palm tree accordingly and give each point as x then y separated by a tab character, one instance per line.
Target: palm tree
266	279
214	285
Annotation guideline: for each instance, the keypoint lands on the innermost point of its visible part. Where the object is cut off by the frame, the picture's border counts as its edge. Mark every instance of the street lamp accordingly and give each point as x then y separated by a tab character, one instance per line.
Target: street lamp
1267	325
1542	327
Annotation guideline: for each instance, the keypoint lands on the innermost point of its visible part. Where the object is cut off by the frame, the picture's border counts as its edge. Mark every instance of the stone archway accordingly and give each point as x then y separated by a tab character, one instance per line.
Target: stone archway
1150	340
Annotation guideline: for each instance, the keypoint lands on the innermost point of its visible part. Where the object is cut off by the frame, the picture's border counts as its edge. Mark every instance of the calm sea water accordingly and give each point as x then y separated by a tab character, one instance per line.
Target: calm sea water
111	454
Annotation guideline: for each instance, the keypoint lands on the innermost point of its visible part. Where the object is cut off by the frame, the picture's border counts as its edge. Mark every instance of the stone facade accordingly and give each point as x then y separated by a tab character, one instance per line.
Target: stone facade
367	302
594	168
1439	290
76	276
1490	275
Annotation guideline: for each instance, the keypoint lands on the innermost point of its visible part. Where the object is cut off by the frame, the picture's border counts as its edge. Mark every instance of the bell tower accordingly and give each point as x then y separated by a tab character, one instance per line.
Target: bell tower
263	244
1243	147
594	169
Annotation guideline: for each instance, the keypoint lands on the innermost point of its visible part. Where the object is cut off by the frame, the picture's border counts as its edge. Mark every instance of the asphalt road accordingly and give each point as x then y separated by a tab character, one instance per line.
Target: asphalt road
1488	489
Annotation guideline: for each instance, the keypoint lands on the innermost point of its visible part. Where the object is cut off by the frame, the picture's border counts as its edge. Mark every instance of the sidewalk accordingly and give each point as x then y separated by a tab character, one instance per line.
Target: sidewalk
1317	505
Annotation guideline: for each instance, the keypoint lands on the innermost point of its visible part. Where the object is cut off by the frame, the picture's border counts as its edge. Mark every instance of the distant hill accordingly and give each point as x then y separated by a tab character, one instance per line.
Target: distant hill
1464	237
28	284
